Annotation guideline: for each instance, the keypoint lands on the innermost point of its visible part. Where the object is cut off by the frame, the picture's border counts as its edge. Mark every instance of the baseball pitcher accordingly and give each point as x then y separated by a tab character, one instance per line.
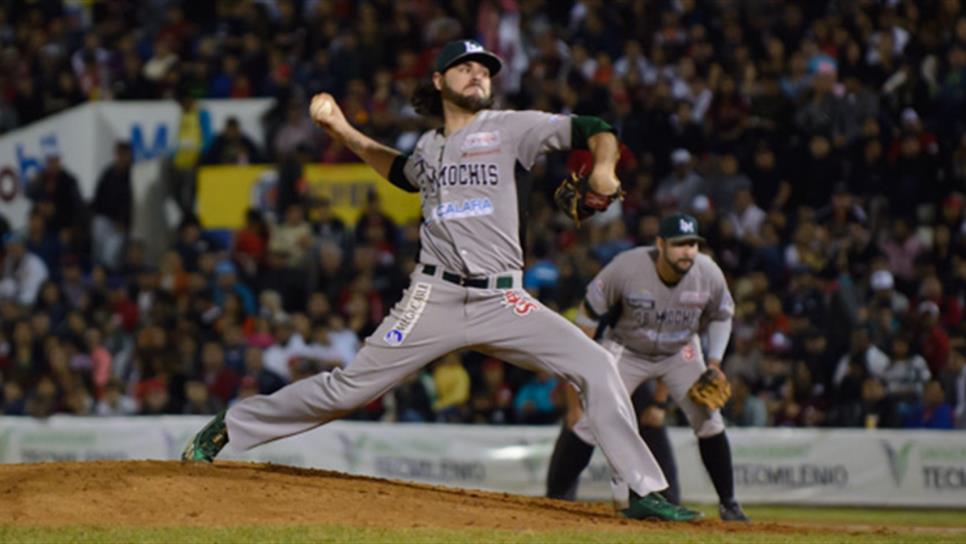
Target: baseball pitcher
466	292
660	298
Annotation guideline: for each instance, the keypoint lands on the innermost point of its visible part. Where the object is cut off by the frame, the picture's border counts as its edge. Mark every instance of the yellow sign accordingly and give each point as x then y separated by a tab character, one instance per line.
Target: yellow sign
225	192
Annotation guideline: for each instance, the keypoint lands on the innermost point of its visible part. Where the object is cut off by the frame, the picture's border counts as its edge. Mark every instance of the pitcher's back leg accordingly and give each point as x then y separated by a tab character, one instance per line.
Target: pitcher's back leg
424	325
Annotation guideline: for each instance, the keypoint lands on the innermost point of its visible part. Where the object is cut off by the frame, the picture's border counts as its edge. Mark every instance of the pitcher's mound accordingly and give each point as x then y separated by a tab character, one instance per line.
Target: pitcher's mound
155	493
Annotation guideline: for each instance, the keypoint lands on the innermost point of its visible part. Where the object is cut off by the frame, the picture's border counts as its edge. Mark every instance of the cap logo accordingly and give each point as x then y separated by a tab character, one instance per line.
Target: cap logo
686	226
472	47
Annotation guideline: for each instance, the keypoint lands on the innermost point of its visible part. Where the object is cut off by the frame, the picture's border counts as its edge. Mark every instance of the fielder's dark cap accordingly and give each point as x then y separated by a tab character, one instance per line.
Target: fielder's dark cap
679	227
458	51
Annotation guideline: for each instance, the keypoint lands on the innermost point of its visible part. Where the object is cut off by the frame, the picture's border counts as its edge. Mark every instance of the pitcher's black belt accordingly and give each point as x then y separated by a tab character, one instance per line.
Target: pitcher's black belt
501	282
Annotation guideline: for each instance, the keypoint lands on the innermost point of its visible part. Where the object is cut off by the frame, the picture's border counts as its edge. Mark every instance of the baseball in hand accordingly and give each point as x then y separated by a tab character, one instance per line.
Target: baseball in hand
322	108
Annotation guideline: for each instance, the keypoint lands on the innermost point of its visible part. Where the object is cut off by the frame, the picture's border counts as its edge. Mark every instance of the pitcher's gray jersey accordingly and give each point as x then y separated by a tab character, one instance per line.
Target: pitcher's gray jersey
656	320
472	205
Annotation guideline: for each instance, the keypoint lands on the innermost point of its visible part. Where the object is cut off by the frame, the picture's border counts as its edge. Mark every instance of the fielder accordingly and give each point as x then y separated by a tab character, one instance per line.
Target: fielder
658	300
466	292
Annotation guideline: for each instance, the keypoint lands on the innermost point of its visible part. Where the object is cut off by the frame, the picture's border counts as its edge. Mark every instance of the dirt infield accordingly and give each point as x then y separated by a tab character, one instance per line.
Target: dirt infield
156	493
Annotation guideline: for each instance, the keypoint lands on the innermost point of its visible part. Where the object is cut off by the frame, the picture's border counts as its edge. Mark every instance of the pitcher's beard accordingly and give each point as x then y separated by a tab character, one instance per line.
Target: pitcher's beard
471	103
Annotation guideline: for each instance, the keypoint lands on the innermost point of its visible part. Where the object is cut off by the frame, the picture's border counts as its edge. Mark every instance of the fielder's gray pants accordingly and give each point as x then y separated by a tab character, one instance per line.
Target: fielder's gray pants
679	372
434	318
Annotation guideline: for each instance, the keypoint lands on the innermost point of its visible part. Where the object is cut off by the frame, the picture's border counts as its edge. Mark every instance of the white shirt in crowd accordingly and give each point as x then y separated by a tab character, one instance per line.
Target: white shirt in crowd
342	348
907	376
876	361
748	222
22	278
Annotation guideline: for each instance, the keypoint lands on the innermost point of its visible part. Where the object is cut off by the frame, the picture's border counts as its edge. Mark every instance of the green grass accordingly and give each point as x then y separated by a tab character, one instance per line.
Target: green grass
897	518
900	526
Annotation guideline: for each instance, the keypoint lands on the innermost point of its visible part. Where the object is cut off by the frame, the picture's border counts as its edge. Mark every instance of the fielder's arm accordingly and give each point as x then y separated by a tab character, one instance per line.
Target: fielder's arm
328	115
587	320
719	333
718	314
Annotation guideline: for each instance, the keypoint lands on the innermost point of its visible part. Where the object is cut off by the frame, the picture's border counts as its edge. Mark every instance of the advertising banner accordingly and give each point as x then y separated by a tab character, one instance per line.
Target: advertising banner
225	192
794	466
72	135
84	139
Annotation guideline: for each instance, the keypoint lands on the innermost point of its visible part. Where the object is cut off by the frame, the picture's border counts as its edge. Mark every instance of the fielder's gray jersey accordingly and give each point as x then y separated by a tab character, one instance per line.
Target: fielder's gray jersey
657	320
472	204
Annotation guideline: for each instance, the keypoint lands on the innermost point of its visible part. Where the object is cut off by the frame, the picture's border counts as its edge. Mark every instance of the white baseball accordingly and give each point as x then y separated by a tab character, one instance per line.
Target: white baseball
323	108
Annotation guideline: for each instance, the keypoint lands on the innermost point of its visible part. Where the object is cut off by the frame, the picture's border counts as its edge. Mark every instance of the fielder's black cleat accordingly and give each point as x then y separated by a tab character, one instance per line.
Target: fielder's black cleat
731	511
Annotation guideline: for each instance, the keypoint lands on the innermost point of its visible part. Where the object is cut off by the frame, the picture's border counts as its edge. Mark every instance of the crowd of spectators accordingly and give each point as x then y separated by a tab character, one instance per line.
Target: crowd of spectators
821	145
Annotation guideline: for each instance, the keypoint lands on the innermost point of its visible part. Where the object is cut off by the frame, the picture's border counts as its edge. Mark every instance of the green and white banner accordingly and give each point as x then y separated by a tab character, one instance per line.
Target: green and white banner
798	466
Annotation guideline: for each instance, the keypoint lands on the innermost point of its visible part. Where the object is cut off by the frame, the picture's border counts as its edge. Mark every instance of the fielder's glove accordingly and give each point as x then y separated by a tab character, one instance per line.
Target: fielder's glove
575	198
712	390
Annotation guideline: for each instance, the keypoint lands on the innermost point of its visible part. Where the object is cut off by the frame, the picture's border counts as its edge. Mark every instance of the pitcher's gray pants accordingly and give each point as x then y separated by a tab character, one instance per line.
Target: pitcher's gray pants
434	318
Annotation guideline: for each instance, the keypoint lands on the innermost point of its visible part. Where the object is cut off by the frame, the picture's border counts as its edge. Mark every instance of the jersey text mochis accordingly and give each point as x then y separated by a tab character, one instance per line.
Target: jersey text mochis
468	174
676	317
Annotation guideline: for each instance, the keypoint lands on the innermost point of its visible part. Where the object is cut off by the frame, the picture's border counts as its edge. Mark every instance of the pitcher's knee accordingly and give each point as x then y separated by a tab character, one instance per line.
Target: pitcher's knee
603	383
710	427
344	404
599	370
343	395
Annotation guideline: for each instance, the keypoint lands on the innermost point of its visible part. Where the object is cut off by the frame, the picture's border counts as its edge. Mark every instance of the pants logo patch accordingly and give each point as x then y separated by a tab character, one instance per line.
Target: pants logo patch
409	315
688	353
521	304
394	337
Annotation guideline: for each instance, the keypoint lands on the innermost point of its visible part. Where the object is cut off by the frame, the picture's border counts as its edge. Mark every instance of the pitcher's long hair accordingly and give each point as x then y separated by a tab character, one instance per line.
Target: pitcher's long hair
427	100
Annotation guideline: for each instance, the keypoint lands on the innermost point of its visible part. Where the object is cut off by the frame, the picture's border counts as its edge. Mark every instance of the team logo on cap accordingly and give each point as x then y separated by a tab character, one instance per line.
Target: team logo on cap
472	47
686	226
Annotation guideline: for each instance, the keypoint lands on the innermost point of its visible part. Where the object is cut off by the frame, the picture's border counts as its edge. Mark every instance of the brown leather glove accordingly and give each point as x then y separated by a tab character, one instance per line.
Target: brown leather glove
711	390
575	198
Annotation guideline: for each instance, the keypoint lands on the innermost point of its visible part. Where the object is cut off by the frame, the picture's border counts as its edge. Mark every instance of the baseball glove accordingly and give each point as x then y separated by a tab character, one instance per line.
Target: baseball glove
575	198
712	390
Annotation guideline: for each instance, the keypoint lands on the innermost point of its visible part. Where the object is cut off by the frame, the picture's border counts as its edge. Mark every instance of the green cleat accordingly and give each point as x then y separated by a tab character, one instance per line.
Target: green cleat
654	506
208	442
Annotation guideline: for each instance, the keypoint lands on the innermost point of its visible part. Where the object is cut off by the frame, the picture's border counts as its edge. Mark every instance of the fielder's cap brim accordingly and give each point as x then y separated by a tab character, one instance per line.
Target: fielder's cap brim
685	238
